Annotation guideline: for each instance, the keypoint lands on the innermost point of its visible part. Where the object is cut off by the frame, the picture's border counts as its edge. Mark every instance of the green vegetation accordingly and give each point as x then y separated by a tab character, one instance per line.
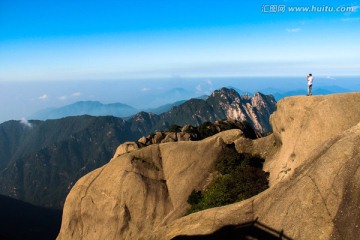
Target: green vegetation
240	177
44	162
207	129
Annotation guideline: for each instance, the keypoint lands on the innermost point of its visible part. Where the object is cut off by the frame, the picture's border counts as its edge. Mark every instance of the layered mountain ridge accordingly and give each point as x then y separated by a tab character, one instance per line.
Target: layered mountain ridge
194	111
44	160
221	104
41	160
93	108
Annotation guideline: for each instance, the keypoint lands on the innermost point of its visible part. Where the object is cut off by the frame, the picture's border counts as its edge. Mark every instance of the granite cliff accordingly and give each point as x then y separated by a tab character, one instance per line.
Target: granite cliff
312	157
224	103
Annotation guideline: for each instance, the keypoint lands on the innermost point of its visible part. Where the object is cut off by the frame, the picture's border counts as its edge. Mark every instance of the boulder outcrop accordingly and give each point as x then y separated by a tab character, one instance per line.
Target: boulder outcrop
302	125
319	201
186	133
313	157
140	190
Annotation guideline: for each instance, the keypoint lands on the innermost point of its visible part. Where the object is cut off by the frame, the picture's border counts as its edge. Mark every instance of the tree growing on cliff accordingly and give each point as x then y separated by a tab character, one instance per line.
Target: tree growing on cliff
240	177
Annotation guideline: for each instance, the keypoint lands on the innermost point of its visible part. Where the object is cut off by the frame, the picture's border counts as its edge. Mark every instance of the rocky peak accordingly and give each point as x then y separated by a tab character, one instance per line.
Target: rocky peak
256	110
225	95
143	122
224	103
144	116
260	99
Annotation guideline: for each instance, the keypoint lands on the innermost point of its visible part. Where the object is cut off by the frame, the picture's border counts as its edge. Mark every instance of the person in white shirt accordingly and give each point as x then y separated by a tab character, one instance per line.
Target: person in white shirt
310	82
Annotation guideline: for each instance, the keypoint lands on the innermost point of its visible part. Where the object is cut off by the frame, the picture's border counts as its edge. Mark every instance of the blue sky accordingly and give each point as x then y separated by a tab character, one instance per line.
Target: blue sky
95	40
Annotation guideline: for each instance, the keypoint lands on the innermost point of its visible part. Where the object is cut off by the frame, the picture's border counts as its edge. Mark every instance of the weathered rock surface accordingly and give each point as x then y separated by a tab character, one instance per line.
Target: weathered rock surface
139	190
301	125
186	133
125	148
319	201
255	110
313	158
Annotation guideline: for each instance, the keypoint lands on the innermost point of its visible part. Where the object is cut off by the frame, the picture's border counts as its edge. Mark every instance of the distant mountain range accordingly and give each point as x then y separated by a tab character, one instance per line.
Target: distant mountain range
92	108
95	108
41	160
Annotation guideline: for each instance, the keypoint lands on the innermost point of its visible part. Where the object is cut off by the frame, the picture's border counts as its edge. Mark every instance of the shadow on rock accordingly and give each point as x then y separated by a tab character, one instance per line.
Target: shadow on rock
250	230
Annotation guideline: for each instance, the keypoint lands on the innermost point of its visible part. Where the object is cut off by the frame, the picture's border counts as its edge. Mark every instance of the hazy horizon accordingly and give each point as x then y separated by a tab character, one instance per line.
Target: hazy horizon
22	99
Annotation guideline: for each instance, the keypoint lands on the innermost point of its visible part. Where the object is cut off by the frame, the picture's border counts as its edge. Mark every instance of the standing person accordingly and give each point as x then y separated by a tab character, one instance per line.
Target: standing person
310	82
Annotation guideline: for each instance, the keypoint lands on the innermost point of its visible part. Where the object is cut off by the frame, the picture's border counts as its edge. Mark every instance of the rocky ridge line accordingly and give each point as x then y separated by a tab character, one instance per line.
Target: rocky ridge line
187	133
